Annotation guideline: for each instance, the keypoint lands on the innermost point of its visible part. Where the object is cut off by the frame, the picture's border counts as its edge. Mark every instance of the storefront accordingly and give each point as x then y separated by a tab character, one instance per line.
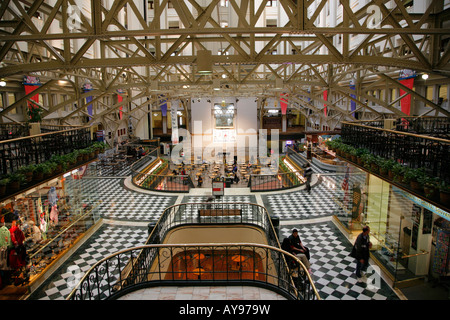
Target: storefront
41	224
410	236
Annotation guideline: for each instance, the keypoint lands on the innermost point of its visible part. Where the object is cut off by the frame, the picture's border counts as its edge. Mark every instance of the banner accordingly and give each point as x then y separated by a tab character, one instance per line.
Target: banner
406	78
283	103
86	88
163	105
30	84
325	97
119	100
174	116
352	103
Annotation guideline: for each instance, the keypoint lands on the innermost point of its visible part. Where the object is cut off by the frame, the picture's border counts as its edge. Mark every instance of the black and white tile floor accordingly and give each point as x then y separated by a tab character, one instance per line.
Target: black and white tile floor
333	269
108	240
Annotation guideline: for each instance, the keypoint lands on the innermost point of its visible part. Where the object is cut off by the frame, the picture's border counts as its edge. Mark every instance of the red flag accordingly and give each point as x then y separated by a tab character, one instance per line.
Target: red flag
325	97
406	101
120	99
284	103
28	90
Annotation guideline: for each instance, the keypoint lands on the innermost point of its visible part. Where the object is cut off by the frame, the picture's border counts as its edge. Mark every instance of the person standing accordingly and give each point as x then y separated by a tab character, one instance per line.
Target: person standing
361	253
308	174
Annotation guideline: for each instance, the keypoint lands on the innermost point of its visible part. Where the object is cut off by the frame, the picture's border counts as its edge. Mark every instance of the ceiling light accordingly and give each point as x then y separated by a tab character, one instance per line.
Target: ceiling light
425	76
2	83
204	61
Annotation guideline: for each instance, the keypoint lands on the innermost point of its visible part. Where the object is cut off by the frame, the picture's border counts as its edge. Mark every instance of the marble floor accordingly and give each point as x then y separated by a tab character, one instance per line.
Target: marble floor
127	210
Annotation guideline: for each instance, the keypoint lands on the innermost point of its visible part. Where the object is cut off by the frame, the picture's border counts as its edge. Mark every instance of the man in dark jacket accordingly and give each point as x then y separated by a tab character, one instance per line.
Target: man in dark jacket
361	253
299	250
308	176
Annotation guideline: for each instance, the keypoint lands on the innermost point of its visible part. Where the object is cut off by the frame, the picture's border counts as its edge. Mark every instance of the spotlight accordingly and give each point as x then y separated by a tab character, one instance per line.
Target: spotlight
2	83
425	76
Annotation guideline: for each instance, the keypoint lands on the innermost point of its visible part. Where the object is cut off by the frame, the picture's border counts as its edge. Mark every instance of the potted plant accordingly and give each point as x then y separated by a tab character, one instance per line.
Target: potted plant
386	166
430	186
85	153
49	169
367	160
70	159
60	163
38	173
412	176
3	183
444	193
15	180
27	171
359	153
398	171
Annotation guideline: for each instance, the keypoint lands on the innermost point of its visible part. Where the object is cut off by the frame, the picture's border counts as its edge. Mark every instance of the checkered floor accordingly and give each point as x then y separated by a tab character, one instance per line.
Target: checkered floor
333	269
119	203
106	241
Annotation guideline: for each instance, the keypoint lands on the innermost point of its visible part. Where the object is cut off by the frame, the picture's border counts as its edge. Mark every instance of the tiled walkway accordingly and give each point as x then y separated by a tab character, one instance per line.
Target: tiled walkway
130	211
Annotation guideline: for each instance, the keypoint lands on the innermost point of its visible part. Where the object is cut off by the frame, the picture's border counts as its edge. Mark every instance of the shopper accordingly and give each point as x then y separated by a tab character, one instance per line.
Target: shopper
299	250
308	174
360	252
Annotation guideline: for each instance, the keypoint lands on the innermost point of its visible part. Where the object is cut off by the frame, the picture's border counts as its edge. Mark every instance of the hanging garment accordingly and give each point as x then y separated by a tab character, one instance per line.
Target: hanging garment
5	237
52	196
3	258
54	214
17	236
37	236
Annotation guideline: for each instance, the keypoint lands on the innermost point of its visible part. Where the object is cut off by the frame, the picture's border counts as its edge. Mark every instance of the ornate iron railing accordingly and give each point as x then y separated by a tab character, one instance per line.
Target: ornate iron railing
160	181
430	126
19	152
415	151
195	264
13	130
157	264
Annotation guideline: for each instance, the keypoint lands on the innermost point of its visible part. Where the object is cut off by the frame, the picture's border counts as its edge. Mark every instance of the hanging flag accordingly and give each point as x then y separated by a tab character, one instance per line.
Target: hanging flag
163	105
352	103
86	88
325	97
119	100
30	84
283	103
406	78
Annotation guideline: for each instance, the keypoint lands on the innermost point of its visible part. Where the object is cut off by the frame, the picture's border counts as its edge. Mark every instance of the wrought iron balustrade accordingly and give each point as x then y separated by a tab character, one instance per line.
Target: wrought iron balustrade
413	150
431	126
157	264
23	151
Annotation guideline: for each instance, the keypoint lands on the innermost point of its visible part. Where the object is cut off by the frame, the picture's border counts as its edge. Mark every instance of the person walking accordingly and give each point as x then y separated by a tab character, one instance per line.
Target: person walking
361	253
308	174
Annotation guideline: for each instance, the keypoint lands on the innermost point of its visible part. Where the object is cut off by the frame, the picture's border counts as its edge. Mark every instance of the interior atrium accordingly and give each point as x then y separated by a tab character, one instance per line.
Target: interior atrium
166	150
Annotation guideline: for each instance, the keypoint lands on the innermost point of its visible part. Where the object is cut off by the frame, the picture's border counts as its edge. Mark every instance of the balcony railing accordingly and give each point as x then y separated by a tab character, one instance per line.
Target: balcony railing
157	264
413	150
15	153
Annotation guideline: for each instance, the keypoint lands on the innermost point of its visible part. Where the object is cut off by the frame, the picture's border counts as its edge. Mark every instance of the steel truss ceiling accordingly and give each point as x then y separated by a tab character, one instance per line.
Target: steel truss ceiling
117	44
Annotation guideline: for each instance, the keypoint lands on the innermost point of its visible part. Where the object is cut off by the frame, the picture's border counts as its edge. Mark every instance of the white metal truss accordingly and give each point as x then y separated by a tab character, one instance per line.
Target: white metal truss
124	44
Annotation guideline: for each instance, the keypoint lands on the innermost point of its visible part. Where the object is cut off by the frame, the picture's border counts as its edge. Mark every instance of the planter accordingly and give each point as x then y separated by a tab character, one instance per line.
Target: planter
384	172
416	186
80	158
374	168
391	175
38	176
444	198
360	161
29	176
431	193
14	186
354	159
85	157
2	190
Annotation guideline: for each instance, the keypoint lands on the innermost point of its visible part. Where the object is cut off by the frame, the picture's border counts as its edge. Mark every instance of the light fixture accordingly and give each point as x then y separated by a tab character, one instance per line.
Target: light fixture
425	76
2	83
204	62
216	84
278	83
